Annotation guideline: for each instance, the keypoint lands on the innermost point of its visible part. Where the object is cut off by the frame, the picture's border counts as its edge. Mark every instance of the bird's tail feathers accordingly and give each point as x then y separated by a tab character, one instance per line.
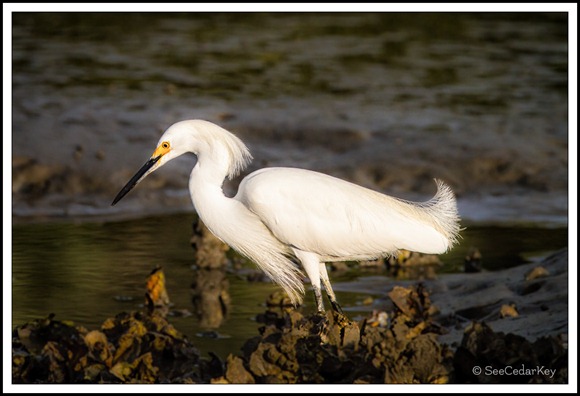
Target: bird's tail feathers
442	212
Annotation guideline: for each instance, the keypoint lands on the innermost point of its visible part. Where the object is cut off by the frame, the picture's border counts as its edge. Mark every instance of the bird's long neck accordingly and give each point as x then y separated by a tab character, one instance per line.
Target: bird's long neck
225	217
205	188
210	170
220	155
232	222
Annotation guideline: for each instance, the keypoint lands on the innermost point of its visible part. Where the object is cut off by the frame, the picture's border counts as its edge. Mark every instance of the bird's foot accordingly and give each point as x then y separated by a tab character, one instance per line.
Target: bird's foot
336	307
319	322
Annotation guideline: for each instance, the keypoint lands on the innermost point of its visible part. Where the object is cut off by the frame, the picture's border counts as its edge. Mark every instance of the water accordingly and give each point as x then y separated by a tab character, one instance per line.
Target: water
88	271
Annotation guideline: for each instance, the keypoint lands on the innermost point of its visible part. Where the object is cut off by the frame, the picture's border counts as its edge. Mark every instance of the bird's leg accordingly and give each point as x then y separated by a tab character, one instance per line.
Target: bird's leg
328	288
318	296
311	262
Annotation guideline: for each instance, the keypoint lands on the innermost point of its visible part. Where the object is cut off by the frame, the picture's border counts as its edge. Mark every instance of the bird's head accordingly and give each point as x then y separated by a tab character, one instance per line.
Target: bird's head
201	138
170	146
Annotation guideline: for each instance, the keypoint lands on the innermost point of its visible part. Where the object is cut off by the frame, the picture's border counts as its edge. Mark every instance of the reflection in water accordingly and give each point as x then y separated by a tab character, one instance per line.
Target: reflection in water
210	286
210	299
413	265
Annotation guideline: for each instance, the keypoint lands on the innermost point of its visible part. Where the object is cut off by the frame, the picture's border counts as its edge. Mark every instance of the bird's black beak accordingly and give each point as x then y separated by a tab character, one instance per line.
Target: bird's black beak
144	171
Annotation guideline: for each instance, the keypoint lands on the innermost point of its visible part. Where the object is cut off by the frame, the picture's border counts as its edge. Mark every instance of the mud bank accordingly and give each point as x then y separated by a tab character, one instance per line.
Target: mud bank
387	100
530	300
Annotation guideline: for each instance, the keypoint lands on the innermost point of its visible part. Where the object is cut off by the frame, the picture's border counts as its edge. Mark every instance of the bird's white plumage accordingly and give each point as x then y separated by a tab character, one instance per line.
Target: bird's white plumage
283	213
339	220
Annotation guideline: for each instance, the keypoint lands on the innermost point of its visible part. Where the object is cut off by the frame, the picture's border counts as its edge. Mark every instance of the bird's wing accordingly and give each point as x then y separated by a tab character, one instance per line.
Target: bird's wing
336	219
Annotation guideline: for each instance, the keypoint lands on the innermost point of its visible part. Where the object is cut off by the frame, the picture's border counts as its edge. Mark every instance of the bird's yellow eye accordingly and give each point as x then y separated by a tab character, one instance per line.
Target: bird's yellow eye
162	149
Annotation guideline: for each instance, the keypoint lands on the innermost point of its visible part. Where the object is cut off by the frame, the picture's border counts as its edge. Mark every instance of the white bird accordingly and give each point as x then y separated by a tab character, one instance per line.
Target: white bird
283	213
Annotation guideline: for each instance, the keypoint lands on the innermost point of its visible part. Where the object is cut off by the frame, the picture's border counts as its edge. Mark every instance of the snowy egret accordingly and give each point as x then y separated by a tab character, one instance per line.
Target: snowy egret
283	213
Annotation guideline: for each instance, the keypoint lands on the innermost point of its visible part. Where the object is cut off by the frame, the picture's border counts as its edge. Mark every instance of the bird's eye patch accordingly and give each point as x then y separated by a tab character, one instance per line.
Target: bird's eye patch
162	149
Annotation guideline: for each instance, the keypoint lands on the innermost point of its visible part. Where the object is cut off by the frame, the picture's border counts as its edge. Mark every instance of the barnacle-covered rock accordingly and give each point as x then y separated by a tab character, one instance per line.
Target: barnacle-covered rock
330	348
131	347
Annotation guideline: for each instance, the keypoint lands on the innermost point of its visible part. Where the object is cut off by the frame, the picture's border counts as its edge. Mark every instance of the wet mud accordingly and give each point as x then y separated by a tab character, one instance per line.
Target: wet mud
393	101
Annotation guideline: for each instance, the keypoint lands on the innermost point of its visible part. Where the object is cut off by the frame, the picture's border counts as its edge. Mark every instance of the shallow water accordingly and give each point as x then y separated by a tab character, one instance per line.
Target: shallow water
86	272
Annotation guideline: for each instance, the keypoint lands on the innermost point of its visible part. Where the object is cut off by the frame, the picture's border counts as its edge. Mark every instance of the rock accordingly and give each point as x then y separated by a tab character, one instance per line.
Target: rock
156	297
128	348
413	265
210	252
342	332
378	318
472	262
100	350
508	311
236	373
291	348
537	272
489	357
279	299
331	348
411	301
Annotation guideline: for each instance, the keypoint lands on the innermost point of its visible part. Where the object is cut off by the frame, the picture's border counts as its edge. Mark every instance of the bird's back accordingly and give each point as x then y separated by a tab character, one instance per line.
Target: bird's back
340	220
